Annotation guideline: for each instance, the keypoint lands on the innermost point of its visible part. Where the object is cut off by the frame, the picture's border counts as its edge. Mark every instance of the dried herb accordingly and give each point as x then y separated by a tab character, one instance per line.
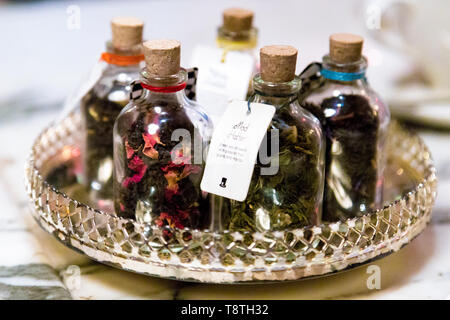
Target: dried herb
351	128
99	114
288	199
156	186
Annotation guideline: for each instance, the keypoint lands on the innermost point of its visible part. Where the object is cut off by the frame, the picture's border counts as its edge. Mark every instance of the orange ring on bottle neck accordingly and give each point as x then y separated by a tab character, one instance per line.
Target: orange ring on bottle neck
119	60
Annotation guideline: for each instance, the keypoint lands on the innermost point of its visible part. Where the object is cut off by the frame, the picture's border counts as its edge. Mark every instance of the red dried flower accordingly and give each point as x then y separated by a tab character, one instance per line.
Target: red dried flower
171	166
166	219
172	185
139	167
129	150
175	172
150	141
188	169
137	164
183	214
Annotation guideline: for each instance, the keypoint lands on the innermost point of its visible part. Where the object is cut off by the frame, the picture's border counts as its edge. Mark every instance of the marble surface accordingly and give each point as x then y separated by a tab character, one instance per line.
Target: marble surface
33	265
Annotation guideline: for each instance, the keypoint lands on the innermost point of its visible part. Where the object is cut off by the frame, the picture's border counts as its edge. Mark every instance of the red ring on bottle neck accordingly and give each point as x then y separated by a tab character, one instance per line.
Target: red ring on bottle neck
170	89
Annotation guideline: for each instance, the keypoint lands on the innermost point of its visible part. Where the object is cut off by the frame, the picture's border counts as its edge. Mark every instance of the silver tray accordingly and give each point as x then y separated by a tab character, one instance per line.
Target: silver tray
227	257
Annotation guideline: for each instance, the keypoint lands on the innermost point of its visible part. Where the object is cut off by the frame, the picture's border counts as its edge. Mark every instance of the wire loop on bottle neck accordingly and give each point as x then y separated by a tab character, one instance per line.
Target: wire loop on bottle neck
342	76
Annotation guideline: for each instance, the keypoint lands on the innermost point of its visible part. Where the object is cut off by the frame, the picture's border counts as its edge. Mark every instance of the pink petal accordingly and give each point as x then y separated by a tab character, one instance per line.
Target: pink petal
150	152
129	150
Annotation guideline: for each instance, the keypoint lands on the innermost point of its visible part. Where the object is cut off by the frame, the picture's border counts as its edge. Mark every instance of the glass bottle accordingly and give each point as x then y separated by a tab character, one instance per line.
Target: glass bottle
100	106
355	122
237	32
227	70
290	196
158	143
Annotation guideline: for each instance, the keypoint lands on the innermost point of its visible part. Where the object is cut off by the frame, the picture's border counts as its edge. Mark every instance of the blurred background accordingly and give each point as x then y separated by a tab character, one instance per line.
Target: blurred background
49	47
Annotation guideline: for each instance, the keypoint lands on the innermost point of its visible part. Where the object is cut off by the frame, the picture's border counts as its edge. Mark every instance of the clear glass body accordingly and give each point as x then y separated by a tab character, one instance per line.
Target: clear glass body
246	38
100	106
355	122
243	41
158	157
290	196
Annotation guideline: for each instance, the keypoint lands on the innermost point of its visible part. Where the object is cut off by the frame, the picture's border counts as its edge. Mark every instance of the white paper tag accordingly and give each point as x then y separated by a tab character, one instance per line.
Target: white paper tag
234	148
220	82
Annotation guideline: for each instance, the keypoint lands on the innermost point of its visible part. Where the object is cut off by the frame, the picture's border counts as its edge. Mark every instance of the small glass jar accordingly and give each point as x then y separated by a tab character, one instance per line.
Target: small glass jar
237	32
158	158
355	122
100	106
291	195
244	40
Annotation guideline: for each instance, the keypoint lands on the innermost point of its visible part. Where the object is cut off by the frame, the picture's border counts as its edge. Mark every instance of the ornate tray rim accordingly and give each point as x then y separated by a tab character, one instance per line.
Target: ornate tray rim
54	211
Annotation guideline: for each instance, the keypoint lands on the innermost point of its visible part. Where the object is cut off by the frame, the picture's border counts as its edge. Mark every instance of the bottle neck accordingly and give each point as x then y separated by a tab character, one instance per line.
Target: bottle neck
169	87
277	94
123	57
344	72
236	41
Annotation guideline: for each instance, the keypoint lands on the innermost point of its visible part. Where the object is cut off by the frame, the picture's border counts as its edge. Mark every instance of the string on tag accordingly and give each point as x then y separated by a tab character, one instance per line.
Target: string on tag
249	109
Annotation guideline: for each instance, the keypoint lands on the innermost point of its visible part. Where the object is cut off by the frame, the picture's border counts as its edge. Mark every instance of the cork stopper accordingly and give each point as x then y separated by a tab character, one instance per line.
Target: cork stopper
237	19
126	32
345	47
278	63
162	57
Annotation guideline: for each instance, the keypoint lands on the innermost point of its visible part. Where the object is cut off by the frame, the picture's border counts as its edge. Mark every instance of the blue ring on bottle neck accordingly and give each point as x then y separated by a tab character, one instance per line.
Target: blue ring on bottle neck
342	76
